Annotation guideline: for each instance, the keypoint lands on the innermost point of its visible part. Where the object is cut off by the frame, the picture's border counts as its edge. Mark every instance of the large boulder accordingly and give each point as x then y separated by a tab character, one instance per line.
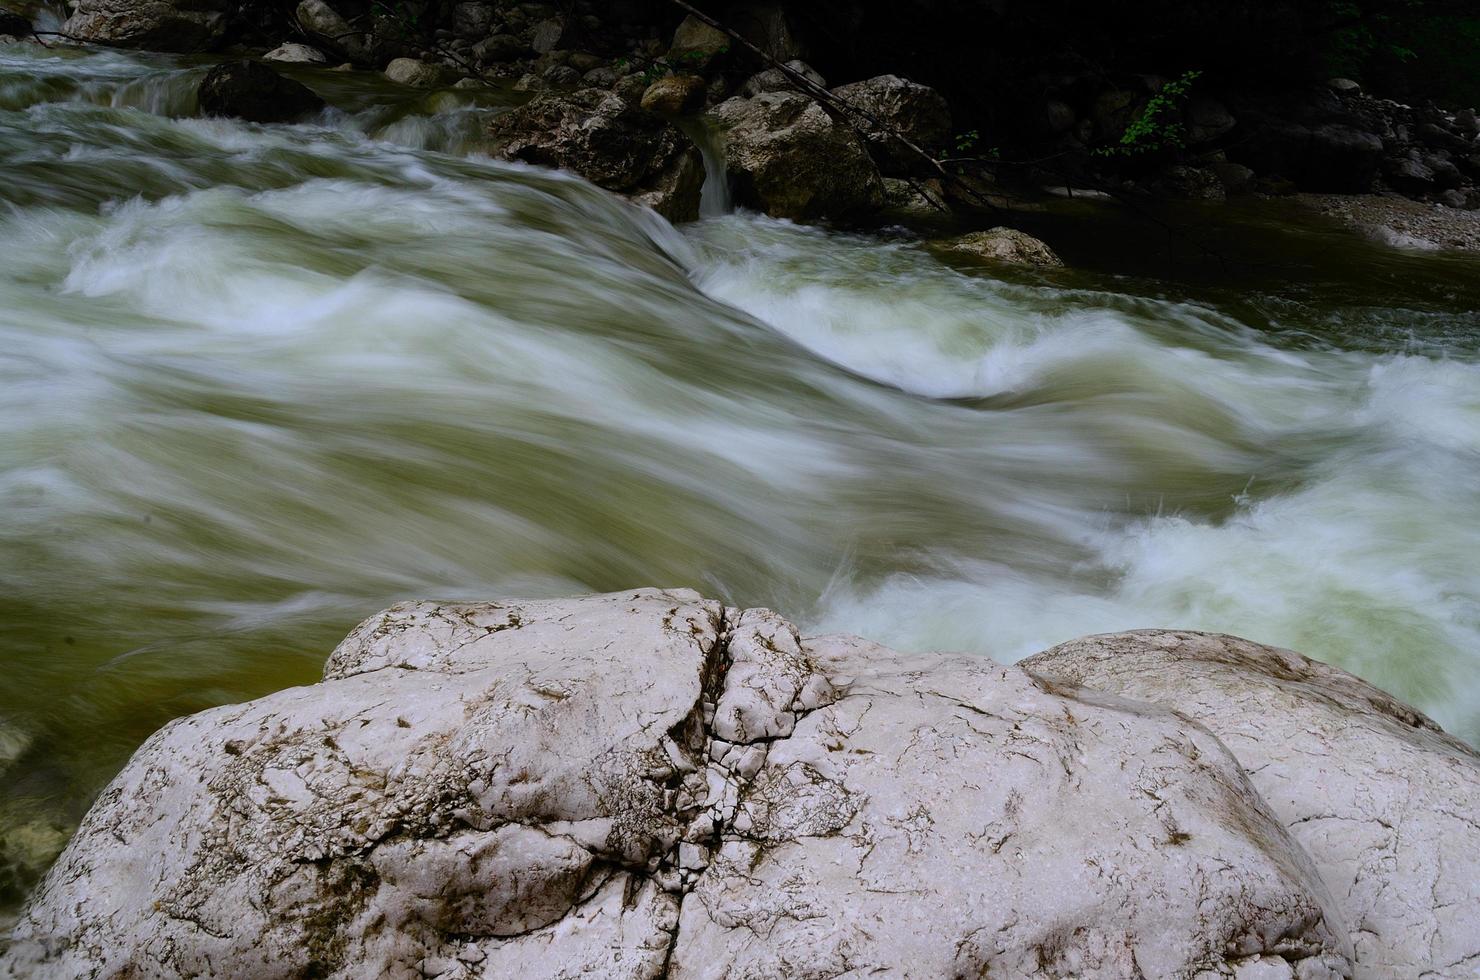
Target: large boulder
648	784
776	80
675	95
1315	139
158	25
328	28
612	143
1385	802
252	91
787	157
895	107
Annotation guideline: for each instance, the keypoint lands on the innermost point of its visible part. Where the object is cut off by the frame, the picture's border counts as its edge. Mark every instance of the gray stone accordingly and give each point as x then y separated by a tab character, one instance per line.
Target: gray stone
500	48
675	95
546	36
776	80
416	73
296	54
157	25
612	143
472	20
1006	245
896	107
787	157
1385	802
325	25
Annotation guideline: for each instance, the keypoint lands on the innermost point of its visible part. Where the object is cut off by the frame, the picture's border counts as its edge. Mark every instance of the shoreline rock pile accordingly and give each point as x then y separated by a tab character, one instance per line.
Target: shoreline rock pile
648	784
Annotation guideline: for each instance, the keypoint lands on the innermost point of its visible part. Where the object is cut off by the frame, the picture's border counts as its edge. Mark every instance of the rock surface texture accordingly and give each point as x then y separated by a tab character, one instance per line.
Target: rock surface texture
787	157
647	784
612	143
1385	802
159	25
897	107
1002	245
252	91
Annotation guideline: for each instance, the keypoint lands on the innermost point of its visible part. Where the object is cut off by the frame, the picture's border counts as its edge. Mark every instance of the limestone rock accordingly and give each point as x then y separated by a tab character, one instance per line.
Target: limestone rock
1002	245
945	816
902	108
416	73
157	25
787	157
482	786
252	91
611	143
296	54
1385	802
674	95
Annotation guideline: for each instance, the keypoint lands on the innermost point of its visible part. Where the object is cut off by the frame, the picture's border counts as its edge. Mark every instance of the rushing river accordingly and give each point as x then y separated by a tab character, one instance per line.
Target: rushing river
256	382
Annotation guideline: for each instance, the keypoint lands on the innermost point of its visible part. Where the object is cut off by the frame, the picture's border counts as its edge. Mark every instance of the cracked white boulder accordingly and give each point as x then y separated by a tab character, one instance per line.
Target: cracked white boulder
645	784
1385	802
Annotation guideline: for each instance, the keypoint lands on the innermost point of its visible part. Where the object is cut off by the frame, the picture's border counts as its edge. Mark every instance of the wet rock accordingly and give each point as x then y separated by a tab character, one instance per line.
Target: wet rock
612	143
645	784
417	74
1383	800
897	107
296	54
675	95
252	91
696	45
156	25
1002	245
787	157
776	80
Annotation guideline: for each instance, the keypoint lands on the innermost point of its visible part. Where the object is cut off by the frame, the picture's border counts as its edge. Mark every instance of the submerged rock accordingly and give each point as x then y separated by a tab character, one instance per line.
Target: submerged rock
898	107
1385	802
644	784
787	157
250	90
158	25
610	142
1002	245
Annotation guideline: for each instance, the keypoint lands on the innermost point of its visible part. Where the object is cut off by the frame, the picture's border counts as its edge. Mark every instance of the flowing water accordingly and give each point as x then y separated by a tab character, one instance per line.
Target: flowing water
259	381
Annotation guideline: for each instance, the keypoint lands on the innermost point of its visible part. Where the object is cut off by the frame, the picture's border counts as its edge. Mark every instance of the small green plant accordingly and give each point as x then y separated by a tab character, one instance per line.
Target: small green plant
1159	125
966	142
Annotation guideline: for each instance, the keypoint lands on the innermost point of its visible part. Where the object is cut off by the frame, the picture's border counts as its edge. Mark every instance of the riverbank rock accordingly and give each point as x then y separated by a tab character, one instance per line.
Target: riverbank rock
1385	802
645	784
416	73
296	54
252	91
897	107
327	27
776	80
787	157
612	143
696	45
156	25
1002	245
674	95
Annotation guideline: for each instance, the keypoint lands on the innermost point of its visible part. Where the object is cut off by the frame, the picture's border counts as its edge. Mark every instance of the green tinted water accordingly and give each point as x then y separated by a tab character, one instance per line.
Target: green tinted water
257	382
